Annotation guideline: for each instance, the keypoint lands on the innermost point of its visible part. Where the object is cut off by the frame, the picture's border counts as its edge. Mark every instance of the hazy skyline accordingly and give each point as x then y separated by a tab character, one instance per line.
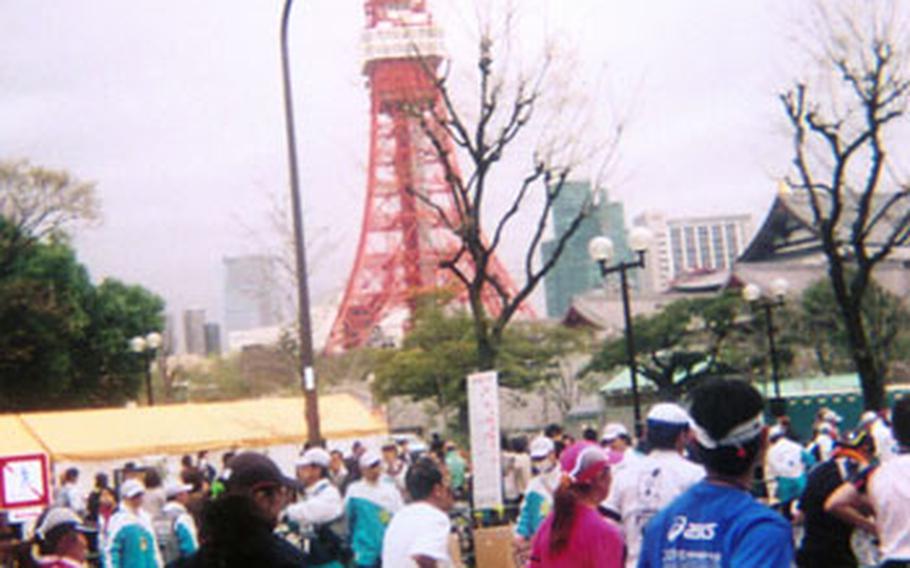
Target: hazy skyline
175	110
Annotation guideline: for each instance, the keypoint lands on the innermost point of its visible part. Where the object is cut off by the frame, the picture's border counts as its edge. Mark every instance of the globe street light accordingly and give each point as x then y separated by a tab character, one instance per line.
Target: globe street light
601	250
147	346
753	294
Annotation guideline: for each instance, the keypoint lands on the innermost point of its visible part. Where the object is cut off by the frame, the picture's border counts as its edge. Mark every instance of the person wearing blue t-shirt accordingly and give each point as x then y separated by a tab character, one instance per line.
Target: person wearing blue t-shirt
717	522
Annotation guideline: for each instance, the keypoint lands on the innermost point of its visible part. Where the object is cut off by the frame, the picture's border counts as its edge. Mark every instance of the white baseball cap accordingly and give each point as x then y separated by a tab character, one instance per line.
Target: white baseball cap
315	456
174	488
59	516
541	447
612	431
131	488
368	459
669	413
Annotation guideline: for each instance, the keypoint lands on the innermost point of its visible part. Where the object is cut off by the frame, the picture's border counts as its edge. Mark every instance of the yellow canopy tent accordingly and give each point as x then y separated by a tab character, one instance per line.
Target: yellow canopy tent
15	438
113	433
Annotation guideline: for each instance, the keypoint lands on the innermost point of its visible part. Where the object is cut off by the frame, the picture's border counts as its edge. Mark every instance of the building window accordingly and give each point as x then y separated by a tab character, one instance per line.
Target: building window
676	250
691	249
704	248
717	243
732	242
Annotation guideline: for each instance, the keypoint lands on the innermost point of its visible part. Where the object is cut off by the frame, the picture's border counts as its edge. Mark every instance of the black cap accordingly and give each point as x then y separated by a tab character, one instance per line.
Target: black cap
248	470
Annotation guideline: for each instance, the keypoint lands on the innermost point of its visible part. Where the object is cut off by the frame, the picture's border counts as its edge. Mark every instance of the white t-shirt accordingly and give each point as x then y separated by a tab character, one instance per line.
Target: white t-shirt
644	487
784	459
889	491
884	440
419	529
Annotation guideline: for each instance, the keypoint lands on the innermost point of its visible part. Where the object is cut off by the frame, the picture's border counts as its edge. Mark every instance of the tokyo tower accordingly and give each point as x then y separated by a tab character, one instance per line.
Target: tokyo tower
403	239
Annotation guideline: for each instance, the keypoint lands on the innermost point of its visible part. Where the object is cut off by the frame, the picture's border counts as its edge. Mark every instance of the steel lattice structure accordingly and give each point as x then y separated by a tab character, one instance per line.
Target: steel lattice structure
403	239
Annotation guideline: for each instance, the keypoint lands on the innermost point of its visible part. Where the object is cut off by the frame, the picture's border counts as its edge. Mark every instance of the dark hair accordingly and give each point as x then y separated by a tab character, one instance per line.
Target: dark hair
152	478
186	461
900	421
226	457
50	542
101	480
71	474
662	435
590	434
552	430
718	406
520	444
565	507
193	477
422	477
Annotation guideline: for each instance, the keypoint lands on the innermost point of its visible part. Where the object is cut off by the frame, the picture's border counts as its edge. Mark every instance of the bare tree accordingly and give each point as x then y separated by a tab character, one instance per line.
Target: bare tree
37	202
506	105
842	166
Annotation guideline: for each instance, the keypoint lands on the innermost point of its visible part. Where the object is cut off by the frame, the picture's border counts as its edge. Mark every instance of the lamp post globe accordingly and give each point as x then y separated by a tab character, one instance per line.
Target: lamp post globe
639	239
600	248
751	293
137	344
153	340
779	287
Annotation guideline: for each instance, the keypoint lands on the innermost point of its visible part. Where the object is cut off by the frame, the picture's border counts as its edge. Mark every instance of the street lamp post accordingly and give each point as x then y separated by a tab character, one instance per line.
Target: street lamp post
752	293
147	346
601	250
305	336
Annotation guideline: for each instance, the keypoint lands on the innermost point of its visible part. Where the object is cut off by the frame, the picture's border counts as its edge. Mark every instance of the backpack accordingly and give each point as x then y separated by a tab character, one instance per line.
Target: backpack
166	535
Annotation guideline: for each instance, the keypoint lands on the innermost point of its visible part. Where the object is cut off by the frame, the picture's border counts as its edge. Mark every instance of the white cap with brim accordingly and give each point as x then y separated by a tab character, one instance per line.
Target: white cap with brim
58	517
131	488
174	488
541	447
369	459
613	430
314	456
669	414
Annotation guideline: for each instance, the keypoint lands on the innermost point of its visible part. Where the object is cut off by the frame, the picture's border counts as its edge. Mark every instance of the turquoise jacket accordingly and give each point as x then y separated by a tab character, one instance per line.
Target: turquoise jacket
536	503
369	508
131	542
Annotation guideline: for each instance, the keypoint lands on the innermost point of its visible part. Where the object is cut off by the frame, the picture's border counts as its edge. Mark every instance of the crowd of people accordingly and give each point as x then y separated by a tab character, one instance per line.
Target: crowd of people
710	486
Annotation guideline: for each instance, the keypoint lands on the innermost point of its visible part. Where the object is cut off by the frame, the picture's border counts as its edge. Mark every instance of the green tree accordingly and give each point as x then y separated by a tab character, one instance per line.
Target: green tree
884	317
686	341
63	341
440	352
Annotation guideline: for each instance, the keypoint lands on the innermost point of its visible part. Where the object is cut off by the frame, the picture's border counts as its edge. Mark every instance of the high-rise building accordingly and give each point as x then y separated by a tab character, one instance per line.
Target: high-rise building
686	246
252	293
194	331
574	271
212	339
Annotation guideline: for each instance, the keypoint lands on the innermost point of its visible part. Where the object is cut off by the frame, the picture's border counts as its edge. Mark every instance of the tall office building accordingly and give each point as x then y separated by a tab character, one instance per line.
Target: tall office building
252	293
686	246
194	331
574	271
212	339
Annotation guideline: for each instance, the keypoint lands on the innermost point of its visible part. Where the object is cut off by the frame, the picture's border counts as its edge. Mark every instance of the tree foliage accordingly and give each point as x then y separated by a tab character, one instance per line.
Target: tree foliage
38	203
884	317
843	161
63	340
688	340
440	352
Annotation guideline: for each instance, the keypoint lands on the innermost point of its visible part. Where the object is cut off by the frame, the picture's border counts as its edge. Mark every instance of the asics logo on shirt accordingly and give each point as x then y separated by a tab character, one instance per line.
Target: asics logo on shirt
691	531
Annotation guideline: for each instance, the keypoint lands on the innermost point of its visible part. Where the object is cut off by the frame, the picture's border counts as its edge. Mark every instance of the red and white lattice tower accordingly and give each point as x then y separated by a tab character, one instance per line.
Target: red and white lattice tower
402	239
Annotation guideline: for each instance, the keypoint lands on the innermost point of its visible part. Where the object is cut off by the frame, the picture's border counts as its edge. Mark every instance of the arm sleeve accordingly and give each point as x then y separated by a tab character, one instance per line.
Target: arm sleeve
186	538
529	515
319	509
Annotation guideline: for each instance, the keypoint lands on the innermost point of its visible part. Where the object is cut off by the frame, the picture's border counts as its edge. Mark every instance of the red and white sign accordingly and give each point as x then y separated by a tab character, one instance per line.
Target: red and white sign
483	414
24	482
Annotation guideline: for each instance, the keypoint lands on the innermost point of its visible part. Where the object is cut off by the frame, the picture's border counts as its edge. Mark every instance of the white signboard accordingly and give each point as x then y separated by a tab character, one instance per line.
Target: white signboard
483	412
24	481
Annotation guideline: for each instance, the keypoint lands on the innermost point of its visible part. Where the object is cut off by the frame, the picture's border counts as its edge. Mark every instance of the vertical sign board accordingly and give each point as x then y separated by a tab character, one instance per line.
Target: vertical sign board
24	482
483	414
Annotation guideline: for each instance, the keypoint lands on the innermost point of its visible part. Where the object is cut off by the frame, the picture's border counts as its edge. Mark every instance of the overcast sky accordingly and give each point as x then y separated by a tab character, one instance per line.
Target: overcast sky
175	110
